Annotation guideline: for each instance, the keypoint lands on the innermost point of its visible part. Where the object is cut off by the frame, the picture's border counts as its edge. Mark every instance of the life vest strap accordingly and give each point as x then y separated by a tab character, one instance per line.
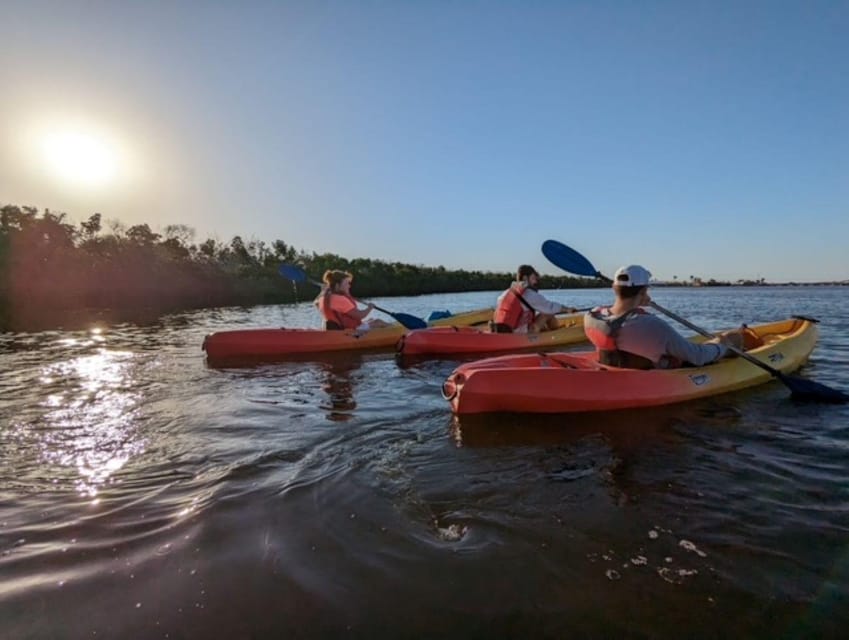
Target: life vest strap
523	301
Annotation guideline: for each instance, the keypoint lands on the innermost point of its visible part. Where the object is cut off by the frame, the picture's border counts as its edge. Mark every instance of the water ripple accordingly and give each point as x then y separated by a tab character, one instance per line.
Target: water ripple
144	493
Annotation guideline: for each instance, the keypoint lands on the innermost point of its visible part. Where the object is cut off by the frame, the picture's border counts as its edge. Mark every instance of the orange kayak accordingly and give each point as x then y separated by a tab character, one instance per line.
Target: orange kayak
572	382
282	342
460	340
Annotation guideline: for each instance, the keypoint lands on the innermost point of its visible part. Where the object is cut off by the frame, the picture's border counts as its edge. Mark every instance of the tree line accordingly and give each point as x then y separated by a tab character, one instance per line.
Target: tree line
50	267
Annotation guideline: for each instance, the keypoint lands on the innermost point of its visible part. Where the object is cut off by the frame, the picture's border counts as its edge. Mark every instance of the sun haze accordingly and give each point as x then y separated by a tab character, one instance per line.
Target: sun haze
70	163
81	158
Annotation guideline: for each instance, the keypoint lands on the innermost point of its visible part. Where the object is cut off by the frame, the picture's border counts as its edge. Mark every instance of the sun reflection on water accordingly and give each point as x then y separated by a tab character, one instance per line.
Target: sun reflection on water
91	425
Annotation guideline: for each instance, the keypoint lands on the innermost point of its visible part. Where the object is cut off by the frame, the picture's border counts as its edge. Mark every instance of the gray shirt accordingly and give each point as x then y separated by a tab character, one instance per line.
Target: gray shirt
649	336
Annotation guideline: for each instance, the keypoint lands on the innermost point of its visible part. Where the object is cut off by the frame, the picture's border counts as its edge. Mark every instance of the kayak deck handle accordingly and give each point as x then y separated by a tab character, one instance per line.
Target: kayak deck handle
452	385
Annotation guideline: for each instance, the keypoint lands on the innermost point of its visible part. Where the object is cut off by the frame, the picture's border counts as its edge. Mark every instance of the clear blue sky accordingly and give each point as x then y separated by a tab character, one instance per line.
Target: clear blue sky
696	138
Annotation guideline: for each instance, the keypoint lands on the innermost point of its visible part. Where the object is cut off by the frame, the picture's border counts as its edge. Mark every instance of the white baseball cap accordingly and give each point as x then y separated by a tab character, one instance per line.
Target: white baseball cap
632	276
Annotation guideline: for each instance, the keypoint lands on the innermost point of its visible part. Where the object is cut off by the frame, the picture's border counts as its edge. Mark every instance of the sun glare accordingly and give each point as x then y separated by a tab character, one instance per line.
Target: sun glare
79	157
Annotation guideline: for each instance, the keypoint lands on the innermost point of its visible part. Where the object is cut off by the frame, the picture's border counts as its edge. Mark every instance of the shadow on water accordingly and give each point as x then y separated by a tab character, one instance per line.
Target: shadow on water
425	361
625	429
339	359
339	385
334	373
571	441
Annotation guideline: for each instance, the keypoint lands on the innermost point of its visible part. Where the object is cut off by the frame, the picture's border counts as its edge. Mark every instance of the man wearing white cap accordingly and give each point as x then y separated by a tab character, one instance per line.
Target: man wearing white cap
628	336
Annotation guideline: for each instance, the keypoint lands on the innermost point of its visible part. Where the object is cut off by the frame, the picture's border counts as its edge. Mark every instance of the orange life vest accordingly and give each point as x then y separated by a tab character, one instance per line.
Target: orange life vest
335	308
602	329
509	312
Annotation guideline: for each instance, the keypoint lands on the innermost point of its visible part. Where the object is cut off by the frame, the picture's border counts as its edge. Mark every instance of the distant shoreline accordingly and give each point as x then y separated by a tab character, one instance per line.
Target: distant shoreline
842	283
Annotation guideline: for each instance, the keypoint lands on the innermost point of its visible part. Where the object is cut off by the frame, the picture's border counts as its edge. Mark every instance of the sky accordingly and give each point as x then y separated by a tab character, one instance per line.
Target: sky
706	139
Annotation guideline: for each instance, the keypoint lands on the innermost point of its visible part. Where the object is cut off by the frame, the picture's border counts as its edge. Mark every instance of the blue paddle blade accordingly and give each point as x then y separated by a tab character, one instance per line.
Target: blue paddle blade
404	319
408	321
569	260
291	272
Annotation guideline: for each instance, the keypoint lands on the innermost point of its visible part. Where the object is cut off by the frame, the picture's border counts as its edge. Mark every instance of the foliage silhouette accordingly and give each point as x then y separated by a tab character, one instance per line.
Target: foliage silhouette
51	270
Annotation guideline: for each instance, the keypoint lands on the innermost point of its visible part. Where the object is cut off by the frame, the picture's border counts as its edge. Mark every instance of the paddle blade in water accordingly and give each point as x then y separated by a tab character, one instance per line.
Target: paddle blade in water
405	319
411	322
811	391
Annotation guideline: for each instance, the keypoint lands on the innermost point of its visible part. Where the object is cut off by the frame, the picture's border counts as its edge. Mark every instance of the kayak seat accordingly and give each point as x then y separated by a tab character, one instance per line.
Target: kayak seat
499	327
331	325
751	340
547	360
623	359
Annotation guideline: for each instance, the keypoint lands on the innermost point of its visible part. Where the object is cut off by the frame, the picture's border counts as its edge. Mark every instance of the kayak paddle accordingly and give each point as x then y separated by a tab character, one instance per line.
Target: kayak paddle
570	260
296	274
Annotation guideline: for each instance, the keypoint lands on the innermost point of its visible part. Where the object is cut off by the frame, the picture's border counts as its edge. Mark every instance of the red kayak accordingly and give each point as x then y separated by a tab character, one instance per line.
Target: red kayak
283	342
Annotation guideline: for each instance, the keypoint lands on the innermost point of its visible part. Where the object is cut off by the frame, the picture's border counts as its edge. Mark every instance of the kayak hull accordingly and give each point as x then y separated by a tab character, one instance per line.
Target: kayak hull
576	382
282	342
465	340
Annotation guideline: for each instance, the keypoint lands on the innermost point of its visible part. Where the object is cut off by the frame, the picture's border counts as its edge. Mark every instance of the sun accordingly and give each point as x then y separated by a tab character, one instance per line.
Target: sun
79	156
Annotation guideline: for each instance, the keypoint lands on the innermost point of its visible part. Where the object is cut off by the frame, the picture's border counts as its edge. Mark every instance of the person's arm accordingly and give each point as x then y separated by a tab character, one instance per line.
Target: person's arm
360	314
346	306
696	354
653	338
541	304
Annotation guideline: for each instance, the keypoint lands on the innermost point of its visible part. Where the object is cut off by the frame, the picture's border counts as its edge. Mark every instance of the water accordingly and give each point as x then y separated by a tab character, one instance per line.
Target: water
145	494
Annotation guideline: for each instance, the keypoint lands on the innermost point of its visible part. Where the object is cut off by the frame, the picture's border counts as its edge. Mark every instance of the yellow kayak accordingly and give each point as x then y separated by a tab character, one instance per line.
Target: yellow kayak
456	340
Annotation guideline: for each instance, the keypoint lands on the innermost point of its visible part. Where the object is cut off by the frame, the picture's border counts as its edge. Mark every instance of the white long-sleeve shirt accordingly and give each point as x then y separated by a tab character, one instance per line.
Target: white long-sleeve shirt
540	303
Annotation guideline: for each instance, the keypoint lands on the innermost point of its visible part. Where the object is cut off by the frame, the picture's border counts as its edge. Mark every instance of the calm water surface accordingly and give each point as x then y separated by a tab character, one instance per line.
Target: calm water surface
146	494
